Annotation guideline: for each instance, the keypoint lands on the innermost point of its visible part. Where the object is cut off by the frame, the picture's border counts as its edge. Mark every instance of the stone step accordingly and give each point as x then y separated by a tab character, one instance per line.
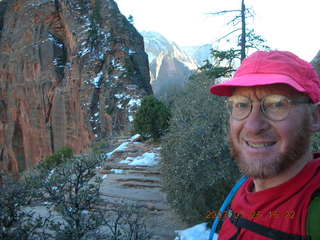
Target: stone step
145	173
134	185
108	167
126	166
152	205
135	191
132	181
140	180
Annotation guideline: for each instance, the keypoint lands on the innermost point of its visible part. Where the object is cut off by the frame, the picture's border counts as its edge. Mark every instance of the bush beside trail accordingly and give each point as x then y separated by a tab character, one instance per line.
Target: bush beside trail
56	158
197	169
152	118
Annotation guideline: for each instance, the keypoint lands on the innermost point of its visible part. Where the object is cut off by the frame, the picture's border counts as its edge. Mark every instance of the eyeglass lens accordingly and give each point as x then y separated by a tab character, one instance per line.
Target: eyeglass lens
274	107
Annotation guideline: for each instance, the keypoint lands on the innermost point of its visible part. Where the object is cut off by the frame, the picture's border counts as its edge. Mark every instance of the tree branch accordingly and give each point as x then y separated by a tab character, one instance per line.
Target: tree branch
233	21
228	34
224	12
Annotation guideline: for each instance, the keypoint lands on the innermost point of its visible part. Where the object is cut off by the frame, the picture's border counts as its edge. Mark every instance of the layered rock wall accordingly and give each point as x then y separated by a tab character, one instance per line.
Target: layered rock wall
71	71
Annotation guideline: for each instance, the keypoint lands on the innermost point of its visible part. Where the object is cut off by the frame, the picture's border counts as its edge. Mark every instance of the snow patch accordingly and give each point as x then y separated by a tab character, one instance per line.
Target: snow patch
97	80
197	232
119	95
131	52
147	159
84	52
55	41
134	137
134	102
122	147
117	171
37	3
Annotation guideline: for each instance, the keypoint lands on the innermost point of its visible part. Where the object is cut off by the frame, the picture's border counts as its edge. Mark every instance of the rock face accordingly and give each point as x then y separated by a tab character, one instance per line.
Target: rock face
70	71
170	66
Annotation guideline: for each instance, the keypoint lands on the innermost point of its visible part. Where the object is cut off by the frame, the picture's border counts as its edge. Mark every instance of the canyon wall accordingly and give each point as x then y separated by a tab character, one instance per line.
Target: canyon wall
71	71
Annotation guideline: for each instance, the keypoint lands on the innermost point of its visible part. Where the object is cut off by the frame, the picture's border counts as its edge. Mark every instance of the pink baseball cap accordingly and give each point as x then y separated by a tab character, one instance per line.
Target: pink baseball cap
272	67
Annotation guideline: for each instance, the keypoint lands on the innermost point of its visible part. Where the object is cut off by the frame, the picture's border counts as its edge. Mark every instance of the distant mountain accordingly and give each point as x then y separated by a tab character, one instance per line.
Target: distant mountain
198	53
170	66
154	44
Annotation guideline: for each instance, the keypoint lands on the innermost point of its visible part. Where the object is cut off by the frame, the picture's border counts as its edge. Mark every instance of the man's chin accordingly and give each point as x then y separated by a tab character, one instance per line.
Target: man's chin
259	167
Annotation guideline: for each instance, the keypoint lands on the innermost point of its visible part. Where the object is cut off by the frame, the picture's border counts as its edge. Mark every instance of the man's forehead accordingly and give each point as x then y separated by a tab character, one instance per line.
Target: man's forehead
264	90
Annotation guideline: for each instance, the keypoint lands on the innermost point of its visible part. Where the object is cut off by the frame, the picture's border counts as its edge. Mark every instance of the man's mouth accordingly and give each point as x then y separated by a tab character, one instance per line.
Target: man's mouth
260	145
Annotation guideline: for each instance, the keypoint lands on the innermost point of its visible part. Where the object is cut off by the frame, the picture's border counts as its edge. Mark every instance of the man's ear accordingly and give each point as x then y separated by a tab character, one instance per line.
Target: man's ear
315	117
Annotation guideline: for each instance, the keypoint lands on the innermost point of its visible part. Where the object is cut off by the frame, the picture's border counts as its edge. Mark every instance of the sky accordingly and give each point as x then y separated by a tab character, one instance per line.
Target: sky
291	25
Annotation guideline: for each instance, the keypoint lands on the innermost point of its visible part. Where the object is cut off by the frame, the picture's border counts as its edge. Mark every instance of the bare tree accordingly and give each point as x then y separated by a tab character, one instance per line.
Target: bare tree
243	30
241	17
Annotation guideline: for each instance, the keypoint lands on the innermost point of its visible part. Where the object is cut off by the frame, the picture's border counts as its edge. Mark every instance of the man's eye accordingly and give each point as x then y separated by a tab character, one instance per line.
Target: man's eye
241	105
279	104
276	105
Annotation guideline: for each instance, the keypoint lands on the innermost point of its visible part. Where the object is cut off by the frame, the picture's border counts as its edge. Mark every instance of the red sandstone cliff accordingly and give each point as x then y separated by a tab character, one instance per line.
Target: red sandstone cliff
70	71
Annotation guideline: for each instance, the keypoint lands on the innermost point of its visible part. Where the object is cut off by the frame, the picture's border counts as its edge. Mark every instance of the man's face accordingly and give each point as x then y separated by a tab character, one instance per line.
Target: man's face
264	148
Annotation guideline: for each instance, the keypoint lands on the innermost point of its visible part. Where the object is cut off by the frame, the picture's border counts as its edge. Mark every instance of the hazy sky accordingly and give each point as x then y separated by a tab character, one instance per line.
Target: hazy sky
286	24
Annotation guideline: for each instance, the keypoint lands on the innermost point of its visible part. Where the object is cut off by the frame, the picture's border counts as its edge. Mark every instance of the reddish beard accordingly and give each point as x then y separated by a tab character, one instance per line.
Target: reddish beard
265	169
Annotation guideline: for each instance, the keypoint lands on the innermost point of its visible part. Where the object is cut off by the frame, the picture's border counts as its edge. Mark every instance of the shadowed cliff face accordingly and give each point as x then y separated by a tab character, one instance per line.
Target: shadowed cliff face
70	71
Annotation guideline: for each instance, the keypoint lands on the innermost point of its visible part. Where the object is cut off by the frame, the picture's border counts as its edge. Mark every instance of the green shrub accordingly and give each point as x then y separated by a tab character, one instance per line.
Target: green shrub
316	142
152	118
100	147
57	158
197	169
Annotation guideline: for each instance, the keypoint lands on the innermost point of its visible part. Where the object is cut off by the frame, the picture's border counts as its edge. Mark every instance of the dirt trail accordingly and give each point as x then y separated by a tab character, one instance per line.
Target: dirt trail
140	185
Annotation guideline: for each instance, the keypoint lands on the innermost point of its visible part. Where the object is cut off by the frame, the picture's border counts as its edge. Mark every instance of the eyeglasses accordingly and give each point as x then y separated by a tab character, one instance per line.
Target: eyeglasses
273	107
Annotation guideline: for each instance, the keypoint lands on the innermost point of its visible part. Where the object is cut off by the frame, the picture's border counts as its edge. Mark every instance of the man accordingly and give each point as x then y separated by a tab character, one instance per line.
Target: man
273	100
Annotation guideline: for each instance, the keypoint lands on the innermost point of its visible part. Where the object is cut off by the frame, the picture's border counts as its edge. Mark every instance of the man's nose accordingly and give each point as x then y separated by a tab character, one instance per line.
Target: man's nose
256	122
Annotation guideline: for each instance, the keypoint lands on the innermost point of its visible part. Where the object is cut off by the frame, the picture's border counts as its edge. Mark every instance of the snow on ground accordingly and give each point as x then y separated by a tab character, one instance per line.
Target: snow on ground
122	147
197	232
117	171
134	137
147	159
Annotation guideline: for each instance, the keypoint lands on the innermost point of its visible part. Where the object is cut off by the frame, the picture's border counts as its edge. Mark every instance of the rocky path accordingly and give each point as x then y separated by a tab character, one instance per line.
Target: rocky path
139	185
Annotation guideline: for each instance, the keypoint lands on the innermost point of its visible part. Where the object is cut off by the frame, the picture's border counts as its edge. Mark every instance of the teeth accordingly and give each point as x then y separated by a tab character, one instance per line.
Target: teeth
255	145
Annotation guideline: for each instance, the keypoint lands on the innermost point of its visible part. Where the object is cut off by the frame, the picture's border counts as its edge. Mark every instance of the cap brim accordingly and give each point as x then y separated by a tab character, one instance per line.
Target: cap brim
226	88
